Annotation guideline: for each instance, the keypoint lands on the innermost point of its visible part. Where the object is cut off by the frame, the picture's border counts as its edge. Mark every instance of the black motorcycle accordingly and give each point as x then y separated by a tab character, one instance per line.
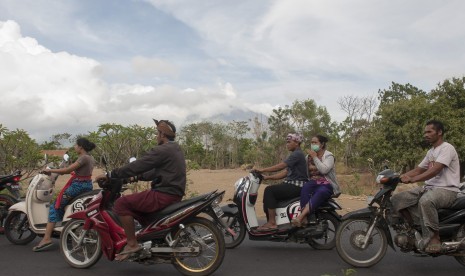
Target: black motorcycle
364	235
9	182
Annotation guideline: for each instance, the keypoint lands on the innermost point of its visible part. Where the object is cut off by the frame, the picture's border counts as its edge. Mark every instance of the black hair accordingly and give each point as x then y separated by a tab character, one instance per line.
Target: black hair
85	144
437	125
323	140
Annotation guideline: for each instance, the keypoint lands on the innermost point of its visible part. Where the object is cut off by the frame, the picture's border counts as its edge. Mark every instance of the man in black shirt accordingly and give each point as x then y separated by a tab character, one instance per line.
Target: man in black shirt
294	172
165	166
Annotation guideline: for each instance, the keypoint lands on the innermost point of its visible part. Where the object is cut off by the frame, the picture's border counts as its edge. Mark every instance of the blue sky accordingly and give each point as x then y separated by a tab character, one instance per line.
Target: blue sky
69	66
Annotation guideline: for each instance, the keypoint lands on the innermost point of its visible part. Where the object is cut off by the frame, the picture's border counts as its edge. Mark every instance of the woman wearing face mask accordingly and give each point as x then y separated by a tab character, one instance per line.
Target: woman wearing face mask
322	182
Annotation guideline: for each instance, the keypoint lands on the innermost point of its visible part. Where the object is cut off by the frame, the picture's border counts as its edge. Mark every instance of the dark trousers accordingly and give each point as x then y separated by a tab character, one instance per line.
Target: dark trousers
315	194
275	193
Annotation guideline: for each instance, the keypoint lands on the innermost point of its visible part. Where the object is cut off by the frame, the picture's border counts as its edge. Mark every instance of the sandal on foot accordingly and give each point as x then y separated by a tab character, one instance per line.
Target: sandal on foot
42	247
296	223
433	248
267	228
124	254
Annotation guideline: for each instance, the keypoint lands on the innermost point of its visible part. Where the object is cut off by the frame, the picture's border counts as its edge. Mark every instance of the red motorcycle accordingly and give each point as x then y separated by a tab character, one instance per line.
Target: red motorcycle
175	235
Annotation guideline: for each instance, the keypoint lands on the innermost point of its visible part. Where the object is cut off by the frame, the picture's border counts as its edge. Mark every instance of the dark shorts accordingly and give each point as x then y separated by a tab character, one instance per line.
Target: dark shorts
140	204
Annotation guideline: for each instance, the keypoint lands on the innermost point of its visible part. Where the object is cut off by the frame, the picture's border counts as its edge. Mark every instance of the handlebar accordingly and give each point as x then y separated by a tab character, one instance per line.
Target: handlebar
257	174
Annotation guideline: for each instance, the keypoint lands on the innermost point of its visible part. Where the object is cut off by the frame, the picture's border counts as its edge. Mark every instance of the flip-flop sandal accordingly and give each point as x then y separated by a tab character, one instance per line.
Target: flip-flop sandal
296	223
433	248
42	247
123	255
266	229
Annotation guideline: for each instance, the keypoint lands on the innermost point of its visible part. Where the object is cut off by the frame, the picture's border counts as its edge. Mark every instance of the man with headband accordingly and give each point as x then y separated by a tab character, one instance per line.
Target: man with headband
294	175
163	165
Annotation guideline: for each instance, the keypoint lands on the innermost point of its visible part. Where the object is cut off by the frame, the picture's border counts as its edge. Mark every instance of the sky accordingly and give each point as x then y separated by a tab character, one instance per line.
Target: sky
69	66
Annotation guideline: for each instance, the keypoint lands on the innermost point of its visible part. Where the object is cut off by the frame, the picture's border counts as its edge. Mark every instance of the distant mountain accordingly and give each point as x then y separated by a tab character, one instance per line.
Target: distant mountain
235	115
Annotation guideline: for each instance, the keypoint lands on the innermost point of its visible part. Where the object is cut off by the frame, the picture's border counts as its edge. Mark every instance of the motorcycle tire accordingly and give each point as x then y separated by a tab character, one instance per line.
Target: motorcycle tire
238	226
328	240
17	229
6	202
205	234
459	236
349	236
82	255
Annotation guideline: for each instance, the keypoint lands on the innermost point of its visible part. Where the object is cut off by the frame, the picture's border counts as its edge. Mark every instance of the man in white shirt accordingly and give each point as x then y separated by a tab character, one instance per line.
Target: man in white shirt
440	170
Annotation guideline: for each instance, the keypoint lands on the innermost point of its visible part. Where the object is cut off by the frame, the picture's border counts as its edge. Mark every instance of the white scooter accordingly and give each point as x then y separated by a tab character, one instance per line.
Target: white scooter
28	218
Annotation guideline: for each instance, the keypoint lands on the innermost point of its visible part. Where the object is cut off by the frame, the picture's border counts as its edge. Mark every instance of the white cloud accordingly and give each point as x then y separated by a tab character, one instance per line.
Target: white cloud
202	58
153	66
47	93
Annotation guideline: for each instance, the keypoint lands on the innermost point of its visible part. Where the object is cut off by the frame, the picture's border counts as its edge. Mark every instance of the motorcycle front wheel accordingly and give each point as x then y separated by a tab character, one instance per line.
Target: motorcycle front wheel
349	242
80	249
17	229
204	234
327	240
238	226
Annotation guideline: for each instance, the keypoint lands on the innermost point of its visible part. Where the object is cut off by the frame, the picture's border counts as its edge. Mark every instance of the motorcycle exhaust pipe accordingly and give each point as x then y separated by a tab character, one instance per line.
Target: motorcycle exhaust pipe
454	246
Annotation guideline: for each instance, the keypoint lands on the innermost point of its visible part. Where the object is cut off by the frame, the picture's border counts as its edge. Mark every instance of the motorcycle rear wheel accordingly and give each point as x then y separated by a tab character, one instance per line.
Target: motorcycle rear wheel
82	255
349	237
206	235
238	226
458	236
17	229
328	239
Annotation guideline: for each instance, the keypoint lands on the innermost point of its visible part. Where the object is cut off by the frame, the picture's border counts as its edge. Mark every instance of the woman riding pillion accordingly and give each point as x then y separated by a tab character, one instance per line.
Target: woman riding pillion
79	183
322	184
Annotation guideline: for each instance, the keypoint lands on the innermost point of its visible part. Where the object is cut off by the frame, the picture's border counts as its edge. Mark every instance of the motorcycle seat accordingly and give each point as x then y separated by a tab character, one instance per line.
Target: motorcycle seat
285	203
459	204
4	177
150	217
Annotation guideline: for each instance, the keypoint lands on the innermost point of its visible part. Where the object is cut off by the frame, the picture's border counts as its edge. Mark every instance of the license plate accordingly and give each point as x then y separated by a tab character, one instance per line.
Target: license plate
217	209
14	186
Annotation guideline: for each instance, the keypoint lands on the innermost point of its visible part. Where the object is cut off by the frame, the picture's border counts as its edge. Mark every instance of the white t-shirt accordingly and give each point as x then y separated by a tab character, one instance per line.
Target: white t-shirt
449	177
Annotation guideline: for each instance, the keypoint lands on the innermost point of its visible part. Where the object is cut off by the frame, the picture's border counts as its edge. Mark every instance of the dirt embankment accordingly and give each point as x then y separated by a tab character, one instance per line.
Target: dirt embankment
203	181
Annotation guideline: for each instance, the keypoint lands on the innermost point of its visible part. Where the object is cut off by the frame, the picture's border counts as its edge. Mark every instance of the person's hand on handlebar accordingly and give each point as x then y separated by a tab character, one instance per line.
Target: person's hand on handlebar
101	179
406	179
259	174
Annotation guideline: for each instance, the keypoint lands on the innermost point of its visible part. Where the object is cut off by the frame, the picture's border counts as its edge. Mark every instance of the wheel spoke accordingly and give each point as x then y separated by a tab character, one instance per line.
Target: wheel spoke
74	236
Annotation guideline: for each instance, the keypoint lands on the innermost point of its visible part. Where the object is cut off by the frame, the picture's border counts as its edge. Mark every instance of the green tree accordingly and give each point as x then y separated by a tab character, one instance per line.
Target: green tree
448	105
57	141
118	143
18	151
279	126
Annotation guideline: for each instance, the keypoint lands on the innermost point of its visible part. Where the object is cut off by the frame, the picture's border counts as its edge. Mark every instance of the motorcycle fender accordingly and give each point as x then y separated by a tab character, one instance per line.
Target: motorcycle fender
230	209
366	213
362	213
20	206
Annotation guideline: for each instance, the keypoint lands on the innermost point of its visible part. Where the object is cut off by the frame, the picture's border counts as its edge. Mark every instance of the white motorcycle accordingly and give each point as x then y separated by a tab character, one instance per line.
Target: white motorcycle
28	218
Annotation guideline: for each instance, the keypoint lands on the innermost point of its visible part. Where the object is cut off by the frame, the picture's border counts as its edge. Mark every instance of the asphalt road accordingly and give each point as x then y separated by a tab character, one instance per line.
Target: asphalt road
250	258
